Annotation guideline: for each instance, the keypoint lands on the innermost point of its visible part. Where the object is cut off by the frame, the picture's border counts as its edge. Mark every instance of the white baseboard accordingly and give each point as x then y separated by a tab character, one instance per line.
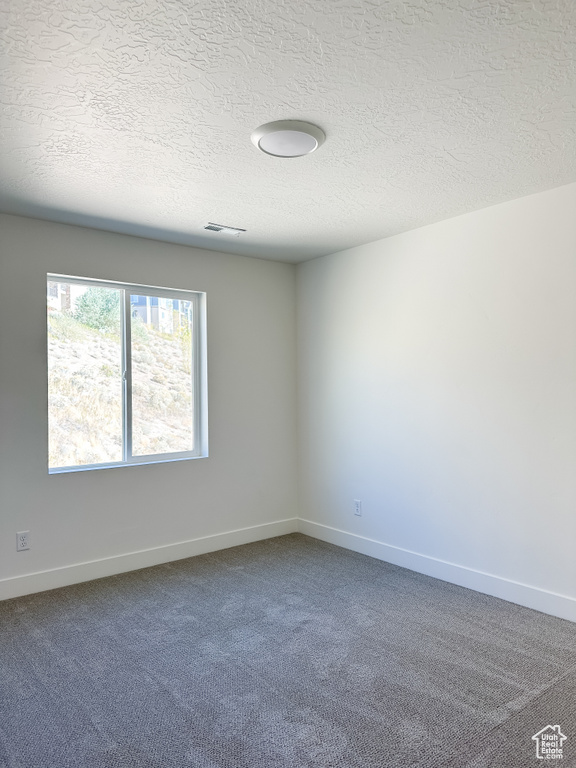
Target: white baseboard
562	606
27	584
552	603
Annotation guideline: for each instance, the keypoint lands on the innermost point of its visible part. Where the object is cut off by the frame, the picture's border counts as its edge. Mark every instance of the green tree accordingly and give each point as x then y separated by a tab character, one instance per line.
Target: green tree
99	308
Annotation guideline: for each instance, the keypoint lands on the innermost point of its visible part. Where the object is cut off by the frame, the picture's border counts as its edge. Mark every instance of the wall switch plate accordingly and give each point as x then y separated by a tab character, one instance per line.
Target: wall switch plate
358	507
22	540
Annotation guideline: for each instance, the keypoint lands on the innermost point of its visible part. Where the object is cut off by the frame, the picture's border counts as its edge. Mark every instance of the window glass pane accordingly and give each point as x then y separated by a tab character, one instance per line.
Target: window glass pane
84	374
162	388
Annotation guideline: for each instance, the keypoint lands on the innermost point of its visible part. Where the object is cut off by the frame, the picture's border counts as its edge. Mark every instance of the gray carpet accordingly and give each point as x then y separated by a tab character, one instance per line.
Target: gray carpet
288	653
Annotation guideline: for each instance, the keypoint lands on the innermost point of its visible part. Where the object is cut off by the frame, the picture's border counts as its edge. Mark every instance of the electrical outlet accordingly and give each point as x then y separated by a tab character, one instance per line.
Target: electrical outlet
22	540
358	507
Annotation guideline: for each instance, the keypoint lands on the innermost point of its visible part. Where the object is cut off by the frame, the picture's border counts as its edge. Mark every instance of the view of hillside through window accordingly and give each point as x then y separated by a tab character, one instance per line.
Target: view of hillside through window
162	393
86	391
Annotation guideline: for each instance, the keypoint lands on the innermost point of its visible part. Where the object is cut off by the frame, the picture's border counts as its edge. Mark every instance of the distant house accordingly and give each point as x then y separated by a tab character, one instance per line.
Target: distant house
165	315
62	297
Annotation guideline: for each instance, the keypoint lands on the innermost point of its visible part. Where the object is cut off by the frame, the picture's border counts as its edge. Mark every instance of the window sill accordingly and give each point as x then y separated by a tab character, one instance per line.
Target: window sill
91	467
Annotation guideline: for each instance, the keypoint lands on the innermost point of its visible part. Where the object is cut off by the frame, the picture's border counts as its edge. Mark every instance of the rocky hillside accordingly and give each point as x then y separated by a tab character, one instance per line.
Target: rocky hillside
85	393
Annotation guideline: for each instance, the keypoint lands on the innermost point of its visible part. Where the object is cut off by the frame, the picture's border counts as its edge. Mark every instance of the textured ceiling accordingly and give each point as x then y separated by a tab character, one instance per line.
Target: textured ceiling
136	116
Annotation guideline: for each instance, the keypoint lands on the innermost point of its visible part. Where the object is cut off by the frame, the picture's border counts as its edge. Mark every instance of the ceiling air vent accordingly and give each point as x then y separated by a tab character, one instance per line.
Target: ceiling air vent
235	231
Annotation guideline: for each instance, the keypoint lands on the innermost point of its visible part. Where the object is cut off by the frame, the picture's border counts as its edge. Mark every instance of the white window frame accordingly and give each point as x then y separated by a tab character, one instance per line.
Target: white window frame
199	371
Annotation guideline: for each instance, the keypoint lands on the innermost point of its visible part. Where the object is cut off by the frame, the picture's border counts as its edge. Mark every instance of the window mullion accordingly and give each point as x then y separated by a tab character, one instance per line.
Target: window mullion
127	363
196	373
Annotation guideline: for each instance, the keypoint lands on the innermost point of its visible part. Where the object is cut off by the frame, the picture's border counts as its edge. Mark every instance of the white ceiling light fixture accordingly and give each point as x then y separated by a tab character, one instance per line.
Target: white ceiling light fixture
288	138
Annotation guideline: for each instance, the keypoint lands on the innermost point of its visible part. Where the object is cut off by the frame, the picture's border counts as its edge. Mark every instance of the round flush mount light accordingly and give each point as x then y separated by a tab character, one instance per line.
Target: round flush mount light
288	138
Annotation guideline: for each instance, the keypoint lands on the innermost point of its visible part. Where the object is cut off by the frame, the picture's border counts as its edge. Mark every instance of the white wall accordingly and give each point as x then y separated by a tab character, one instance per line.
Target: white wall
249	478
438	385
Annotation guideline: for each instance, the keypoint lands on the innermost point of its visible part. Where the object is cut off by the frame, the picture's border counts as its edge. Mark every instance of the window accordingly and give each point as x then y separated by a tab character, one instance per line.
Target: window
126	374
